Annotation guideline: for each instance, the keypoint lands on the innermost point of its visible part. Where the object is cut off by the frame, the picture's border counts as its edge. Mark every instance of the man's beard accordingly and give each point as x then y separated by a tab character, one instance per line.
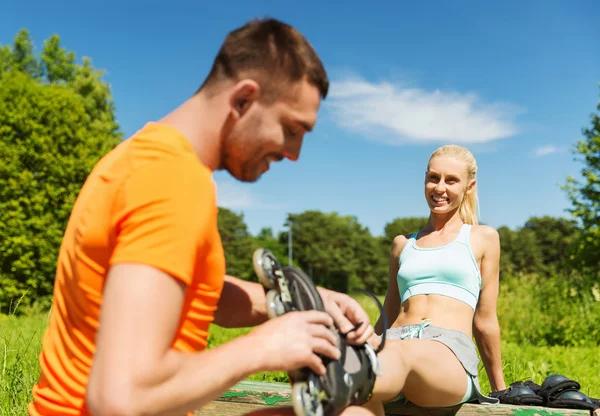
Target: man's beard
240	168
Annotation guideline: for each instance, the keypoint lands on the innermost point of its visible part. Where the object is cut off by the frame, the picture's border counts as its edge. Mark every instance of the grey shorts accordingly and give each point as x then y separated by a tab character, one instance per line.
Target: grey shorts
458	342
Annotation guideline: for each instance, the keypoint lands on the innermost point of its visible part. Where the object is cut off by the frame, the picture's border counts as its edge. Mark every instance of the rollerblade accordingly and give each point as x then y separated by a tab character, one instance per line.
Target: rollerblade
350	379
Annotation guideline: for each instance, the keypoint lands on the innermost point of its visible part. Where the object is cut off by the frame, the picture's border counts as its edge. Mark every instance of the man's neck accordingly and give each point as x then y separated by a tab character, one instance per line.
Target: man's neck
201	119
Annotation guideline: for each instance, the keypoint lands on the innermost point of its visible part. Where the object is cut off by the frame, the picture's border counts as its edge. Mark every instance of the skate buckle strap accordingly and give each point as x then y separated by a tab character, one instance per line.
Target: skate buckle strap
417	330
356	326
374	360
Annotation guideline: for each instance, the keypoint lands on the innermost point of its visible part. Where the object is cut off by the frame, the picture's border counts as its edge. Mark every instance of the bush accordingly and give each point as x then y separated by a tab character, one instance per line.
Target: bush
550	310
56	121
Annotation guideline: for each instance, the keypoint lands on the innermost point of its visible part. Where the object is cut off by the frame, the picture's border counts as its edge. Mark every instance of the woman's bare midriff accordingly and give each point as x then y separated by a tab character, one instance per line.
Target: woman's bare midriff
443	311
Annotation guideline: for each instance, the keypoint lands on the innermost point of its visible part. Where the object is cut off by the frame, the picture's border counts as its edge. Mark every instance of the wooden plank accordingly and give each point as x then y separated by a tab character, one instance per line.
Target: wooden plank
260	393
256	397
470	409
219	408
252	396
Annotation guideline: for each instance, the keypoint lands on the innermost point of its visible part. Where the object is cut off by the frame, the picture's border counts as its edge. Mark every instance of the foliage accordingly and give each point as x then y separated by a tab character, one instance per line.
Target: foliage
553	236
56	120
585	197
266	239
547	310
541	245
337	252
237	243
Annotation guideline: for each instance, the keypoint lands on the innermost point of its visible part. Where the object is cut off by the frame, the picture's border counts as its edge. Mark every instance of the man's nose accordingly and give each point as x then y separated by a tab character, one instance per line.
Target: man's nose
291	156
292	150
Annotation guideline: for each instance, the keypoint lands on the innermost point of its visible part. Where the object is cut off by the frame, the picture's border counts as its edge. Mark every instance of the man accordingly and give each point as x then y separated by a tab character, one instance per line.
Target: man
141	270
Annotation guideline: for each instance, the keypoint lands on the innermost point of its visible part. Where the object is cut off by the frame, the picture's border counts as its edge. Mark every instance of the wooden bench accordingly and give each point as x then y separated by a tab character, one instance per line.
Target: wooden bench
250	396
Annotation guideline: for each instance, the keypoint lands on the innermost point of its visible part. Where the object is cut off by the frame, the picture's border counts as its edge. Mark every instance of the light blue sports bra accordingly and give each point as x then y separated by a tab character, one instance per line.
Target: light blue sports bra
449	270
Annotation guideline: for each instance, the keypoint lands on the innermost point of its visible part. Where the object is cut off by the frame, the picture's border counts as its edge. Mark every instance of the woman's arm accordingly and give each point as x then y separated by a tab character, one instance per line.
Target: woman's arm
391	304
485	325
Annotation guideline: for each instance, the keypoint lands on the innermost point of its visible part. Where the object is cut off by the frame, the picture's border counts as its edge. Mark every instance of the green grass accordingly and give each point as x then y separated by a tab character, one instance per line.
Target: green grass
20	343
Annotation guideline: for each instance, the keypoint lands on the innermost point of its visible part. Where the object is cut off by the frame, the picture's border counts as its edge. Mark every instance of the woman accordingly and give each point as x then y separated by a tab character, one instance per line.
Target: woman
442	290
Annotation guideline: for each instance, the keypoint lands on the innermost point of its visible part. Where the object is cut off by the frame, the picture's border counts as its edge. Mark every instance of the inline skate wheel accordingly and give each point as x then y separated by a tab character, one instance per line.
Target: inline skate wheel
303	401
275	307
262	267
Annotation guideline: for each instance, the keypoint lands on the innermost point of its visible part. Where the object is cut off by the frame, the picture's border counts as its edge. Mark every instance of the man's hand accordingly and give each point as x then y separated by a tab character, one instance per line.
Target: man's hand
293	340
375	341
347	313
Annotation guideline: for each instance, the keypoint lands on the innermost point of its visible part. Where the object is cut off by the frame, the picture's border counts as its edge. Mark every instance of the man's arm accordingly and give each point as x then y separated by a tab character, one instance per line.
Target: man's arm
243	304
486	327
135	370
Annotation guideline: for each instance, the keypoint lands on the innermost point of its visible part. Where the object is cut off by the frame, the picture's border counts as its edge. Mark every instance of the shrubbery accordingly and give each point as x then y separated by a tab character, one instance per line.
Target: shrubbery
557	309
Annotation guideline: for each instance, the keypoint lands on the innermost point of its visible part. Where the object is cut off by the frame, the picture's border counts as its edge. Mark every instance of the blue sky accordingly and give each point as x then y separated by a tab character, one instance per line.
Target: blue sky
514	81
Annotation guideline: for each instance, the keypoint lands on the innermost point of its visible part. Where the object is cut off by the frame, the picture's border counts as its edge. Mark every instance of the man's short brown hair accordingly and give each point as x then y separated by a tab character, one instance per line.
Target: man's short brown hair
272	53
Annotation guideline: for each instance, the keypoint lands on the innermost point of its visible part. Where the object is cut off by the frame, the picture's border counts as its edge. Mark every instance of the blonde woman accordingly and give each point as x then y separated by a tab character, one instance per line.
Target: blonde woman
442	291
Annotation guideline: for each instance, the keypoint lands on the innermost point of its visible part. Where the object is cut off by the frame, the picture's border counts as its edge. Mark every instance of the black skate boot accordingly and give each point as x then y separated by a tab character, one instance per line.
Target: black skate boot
350	379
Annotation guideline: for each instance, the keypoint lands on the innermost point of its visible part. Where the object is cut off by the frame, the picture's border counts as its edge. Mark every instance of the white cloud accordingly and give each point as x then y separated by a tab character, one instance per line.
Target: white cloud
546	150
238	196
394	113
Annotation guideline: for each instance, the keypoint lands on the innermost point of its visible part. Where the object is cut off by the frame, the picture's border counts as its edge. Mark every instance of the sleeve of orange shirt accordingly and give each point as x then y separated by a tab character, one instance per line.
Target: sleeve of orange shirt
161	218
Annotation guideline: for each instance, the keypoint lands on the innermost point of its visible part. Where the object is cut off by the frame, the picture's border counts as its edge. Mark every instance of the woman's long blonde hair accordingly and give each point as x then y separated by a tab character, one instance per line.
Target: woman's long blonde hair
468	208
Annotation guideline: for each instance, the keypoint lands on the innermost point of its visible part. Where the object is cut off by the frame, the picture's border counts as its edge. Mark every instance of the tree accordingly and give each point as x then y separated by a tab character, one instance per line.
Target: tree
507	236
56	121
237	243
585	196
520	252
21	58
554	237
336	251
266	239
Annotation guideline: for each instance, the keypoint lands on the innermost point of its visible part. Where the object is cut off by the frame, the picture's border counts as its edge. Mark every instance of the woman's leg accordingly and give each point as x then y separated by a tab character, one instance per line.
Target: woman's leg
427	373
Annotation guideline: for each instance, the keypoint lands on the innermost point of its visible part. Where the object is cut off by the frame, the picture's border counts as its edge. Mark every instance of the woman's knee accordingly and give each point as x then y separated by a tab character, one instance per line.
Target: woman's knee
395	361
437	379
418	369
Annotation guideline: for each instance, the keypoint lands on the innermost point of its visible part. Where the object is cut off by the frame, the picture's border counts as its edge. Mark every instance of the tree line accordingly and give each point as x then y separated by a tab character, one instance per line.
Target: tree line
339	253
57	119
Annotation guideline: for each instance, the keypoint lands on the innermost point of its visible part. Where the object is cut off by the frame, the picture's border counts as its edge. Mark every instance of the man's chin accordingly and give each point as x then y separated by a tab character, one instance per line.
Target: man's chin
246	177
247	172
250	180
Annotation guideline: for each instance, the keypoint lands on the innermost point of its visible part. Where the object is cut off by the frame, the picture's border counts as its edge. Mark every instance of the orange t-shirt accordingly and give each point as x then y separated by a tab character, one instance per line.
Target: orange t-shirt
150	200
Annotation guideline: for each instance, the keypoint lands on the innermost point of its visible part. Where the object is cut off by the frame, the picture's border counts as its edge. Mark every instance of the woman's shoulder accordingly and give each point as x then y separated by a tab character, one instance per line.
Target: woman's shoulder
485	235
399	243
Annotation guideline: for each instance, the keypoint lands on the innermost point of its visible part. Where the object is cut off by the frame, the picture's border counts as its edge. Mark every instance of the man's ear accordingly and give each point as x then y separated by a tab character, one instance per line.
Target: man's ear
244	94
